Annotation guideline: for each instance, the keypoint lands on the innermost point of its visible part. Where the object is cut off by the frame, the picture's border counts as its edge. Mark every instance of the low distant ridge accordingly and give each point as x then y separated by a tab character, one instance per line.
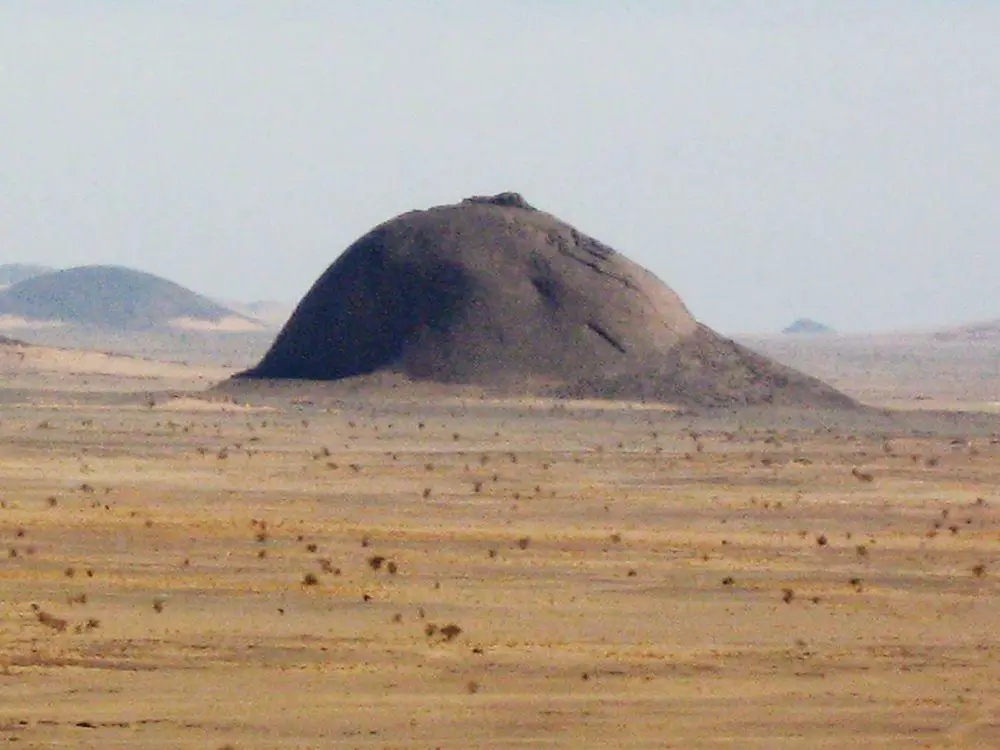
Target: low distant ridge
983	331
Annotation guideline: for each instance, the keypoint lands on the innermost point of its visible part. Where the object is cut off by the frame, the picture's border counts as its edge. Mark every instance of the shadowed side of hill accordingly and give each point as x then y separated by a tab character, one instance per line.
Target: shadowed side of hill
107	297
492	292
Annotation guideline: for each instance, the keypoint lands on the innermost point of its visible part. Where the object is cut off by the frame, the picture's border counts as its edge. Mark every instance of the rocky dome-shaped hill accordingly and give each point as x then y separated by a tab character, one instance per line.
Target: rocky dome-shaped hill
110	297
493	292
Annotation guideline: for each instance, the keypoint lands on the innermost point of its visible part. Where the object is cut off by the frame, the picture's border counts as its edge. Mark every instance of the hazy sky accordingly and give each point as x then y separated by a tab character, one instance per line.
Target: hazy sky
838	159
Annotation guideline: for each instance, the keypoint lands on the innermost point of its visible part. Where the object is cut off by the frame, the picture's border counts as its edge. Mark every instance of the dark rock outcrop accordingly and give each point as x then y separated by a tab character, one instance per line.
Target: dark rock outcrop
493	292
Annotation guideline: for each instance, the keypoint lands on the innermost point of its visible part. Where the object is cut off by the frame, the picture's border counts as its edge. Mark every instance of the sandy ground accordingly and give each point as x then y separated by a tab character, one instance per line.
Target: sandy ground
902	371
231	324
197	571
45	368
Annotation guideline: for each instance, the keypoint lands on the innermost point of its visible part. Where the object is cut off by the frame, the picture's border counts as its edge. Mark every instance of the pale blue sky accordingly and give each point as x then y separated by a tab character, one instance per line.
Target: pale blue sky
838	159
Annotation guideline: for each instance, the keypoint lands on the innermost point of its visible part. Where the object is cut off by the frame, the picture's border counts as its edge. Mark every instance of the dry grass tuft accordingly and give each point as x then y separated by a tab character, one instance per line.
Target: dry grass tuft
862	476
51	621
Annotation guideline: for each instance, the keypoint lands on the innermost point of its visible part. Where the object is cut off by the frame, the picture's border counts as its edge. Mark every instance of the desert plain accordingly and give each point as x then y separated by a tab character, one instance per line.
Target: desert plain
320	566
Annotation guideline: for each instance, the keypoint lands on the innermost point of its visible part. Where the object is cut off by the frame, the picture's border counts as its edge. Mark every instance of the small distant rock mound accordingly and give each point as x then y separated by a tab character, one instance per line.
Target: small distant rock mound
109	297
14	273
492	292
808	327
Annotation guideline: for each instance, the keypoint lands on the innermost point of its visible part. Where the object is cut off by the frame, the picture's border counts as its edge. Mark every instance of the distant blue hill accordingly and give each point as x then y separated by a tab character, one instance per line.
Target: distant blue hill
107	297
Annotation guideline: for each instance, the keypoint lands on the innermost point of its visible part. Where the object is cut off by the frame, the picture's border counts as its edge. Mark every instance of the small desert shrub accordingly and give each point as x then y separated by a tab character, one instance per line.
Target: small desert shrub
862	476
310	579
51	621
450	632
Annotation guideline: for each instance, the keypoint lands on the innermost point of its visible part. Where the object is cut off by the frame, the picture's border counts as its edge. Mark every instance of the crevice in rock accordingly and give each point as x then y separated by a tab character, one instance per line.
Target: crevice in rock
606	336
